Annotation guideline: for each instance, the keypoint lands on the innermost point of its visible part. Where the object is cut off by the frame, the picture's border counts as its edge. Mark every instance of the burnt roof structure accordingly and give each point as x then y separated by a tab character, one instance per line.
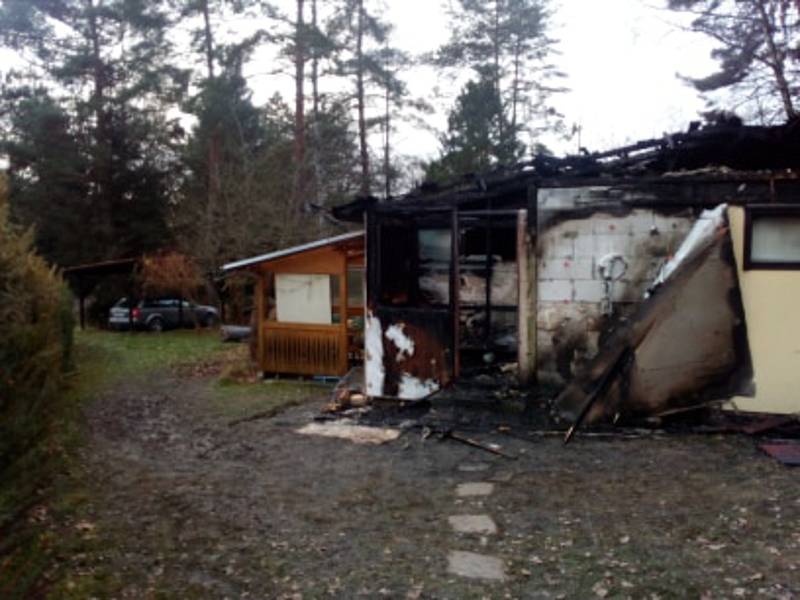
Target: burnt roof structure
725	153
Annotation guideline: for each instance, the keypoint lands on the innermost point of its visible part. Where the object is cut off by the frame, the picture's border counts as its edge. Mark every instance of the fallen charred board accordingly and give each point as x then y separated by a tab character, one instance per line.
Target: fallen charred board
449	434
688	340
759	424
787	452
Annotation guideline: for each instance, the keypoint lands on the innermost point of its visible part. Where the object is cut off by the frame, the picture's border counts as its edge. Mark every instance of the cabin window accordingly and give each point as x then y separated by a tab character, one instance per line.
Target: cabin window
355	287
772	238
355	294
270	301
303	298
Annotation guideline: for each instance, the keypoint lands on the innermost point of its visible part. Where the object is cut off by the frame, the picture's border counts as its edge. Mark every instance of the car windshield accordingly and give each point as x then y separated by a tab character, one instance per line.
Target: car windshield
122	303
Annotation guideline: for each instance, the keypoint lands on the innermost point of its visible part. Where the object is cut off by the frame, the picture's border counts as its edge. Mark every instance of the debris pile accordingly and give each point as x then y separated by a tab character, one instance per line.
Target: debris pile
348	393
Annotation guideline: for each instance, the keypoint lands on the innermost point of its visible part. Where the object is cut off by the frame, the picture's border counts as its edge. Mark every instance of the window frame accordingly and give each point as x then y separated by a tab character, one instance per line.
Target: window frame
766	210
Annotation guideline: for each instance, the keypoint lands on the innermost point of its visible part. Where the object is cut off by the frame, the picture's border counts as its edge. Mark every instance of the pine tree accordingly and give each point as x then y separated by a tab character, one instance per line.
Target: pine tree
229	132
363	42
757	51
506	42
479	136
108	65
48	176
221	156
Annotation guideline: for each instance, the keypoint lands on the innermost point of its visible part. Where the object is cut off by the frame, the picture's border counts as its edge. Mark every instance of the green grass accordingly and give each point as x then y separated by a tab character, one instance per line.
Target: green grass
104	356
34	554
49	476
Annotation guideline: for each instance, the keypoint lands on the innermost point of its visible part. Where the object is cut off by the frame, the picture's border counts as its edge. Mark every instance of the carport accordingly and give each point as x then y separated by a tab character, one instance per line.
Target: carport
84	278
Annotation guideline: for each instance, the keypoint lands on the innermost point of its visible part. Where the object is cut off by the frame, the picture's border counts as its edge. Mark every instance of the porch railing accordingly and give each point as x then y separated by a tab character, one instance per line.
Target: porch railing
304	349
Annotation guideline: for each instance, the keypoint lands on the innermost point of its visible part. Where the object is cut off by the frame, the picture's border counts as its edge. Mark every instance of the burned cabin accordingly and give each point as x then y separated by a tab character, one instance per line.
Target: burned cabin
657	274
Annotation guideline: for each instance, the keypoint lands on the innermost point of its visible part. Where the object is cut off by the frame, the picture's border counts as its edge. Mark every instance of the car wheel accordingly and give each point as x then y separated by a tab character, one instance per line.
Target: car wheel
156	324
209	321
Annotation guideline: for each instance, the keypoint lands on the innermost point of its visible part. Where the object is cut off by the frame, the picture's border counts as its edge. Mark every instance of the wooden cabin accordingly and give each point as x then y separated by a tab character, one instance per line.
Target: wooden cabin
309	303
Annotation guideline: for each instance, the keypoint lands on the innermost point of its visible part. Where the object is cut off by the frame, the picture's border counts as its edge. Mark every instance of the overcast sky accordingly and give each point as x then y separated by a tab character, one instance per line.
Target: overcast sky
621	58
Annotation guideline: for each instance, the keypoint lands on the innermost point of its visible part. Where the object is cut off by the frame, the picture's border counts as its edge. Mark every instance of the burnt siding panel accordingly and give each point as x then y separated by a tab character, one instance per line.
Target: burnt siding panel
688	342
417	350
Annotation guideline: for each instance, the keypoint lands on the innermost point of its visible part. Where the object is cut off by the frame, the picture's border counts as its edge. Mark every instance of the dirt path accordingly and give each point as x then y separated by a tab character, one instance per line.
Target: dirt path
185	506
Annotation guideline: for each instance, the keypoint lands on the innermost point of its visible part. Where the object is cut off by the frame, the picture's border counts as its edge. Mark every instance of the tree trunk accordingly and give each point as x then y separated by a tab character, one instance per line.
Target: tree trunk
386	148
213	175
362	122
515	88
102	201
299	186
314	63
776	62
209	41
496	49
317	168
496	46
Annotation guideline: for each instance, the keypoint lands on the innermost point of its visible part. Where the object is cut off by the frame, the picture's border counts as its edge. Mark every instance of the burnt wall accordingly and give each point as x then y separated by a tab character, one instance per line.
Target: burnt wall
594	266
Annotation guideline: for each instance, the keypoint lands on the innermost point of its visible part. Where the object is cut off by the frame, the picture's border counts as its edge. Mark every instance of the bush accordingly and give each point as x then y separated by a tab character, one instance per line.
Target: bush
35	337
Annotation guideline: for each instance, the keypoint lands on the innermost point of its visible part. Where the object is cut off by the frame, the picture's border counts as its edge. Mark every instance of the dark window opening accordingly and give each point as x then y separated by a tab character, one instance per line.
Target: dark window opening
500	242
397	276
487	292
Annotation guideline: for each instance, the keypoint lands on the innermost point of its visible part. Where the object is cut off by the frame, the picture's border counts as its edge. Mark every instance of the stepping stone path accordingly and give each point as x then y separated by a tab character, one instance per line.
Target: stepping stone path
475	566
473	467
471	564
472	524
480	488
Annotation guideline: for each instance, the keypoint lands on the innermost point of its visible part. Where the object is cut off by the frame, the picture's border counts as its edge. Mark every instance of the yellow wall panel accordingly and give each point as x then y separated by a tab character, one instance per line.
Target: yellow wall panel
772	309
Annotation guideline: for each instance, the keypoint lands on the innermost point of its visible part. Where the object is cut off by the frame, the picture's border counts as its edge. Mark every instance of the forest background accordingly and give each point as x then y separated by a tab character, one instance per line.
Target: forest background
226	128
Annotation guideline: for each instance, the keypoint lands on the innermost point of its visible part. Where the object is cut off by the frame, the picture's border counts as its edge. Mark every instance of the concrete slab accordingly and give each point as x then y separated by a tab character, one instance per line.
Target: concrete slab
475	488
472	524
475	566
359	434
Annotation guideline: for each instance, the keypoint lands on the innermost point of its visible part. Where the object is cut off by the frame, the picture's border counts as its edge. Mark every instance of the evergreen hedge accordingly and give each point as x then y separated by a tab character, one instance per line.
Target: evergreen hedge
36	326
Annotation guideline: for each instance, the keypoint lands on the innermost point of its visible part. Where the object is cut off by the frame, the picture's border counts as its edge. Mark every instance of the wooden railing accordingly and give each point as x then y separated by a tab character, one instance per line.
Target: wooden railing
304	349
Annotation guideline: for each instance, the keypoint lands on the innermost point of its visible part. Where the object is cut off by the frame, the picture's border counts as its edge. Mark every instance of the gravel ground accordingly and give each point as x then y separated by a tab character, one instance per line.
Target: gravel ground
184	505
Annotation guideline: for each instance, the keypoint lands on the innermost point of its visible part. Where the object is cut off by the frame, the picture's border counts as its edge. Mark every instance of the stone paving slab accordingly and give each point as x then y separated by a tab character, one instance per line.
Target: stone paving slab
472	524
473	467
475	488
475	566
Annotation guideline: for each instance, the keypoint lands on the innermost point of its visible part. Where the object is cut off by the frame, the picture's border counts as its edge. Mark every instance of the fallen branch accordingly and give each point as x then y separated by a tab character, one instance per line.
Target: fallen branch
475	444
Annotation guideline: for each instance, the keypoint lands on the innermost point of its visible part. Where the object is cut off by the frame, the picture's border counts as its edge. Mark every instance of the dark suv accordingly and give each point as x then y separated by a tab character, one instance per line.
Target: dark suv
160	314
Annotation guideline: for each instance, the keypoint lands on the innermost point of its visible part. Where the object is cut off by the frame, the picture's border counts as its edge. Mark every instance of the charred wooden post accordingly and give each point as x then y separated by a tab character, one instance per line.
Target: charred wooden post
454	287
526	302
